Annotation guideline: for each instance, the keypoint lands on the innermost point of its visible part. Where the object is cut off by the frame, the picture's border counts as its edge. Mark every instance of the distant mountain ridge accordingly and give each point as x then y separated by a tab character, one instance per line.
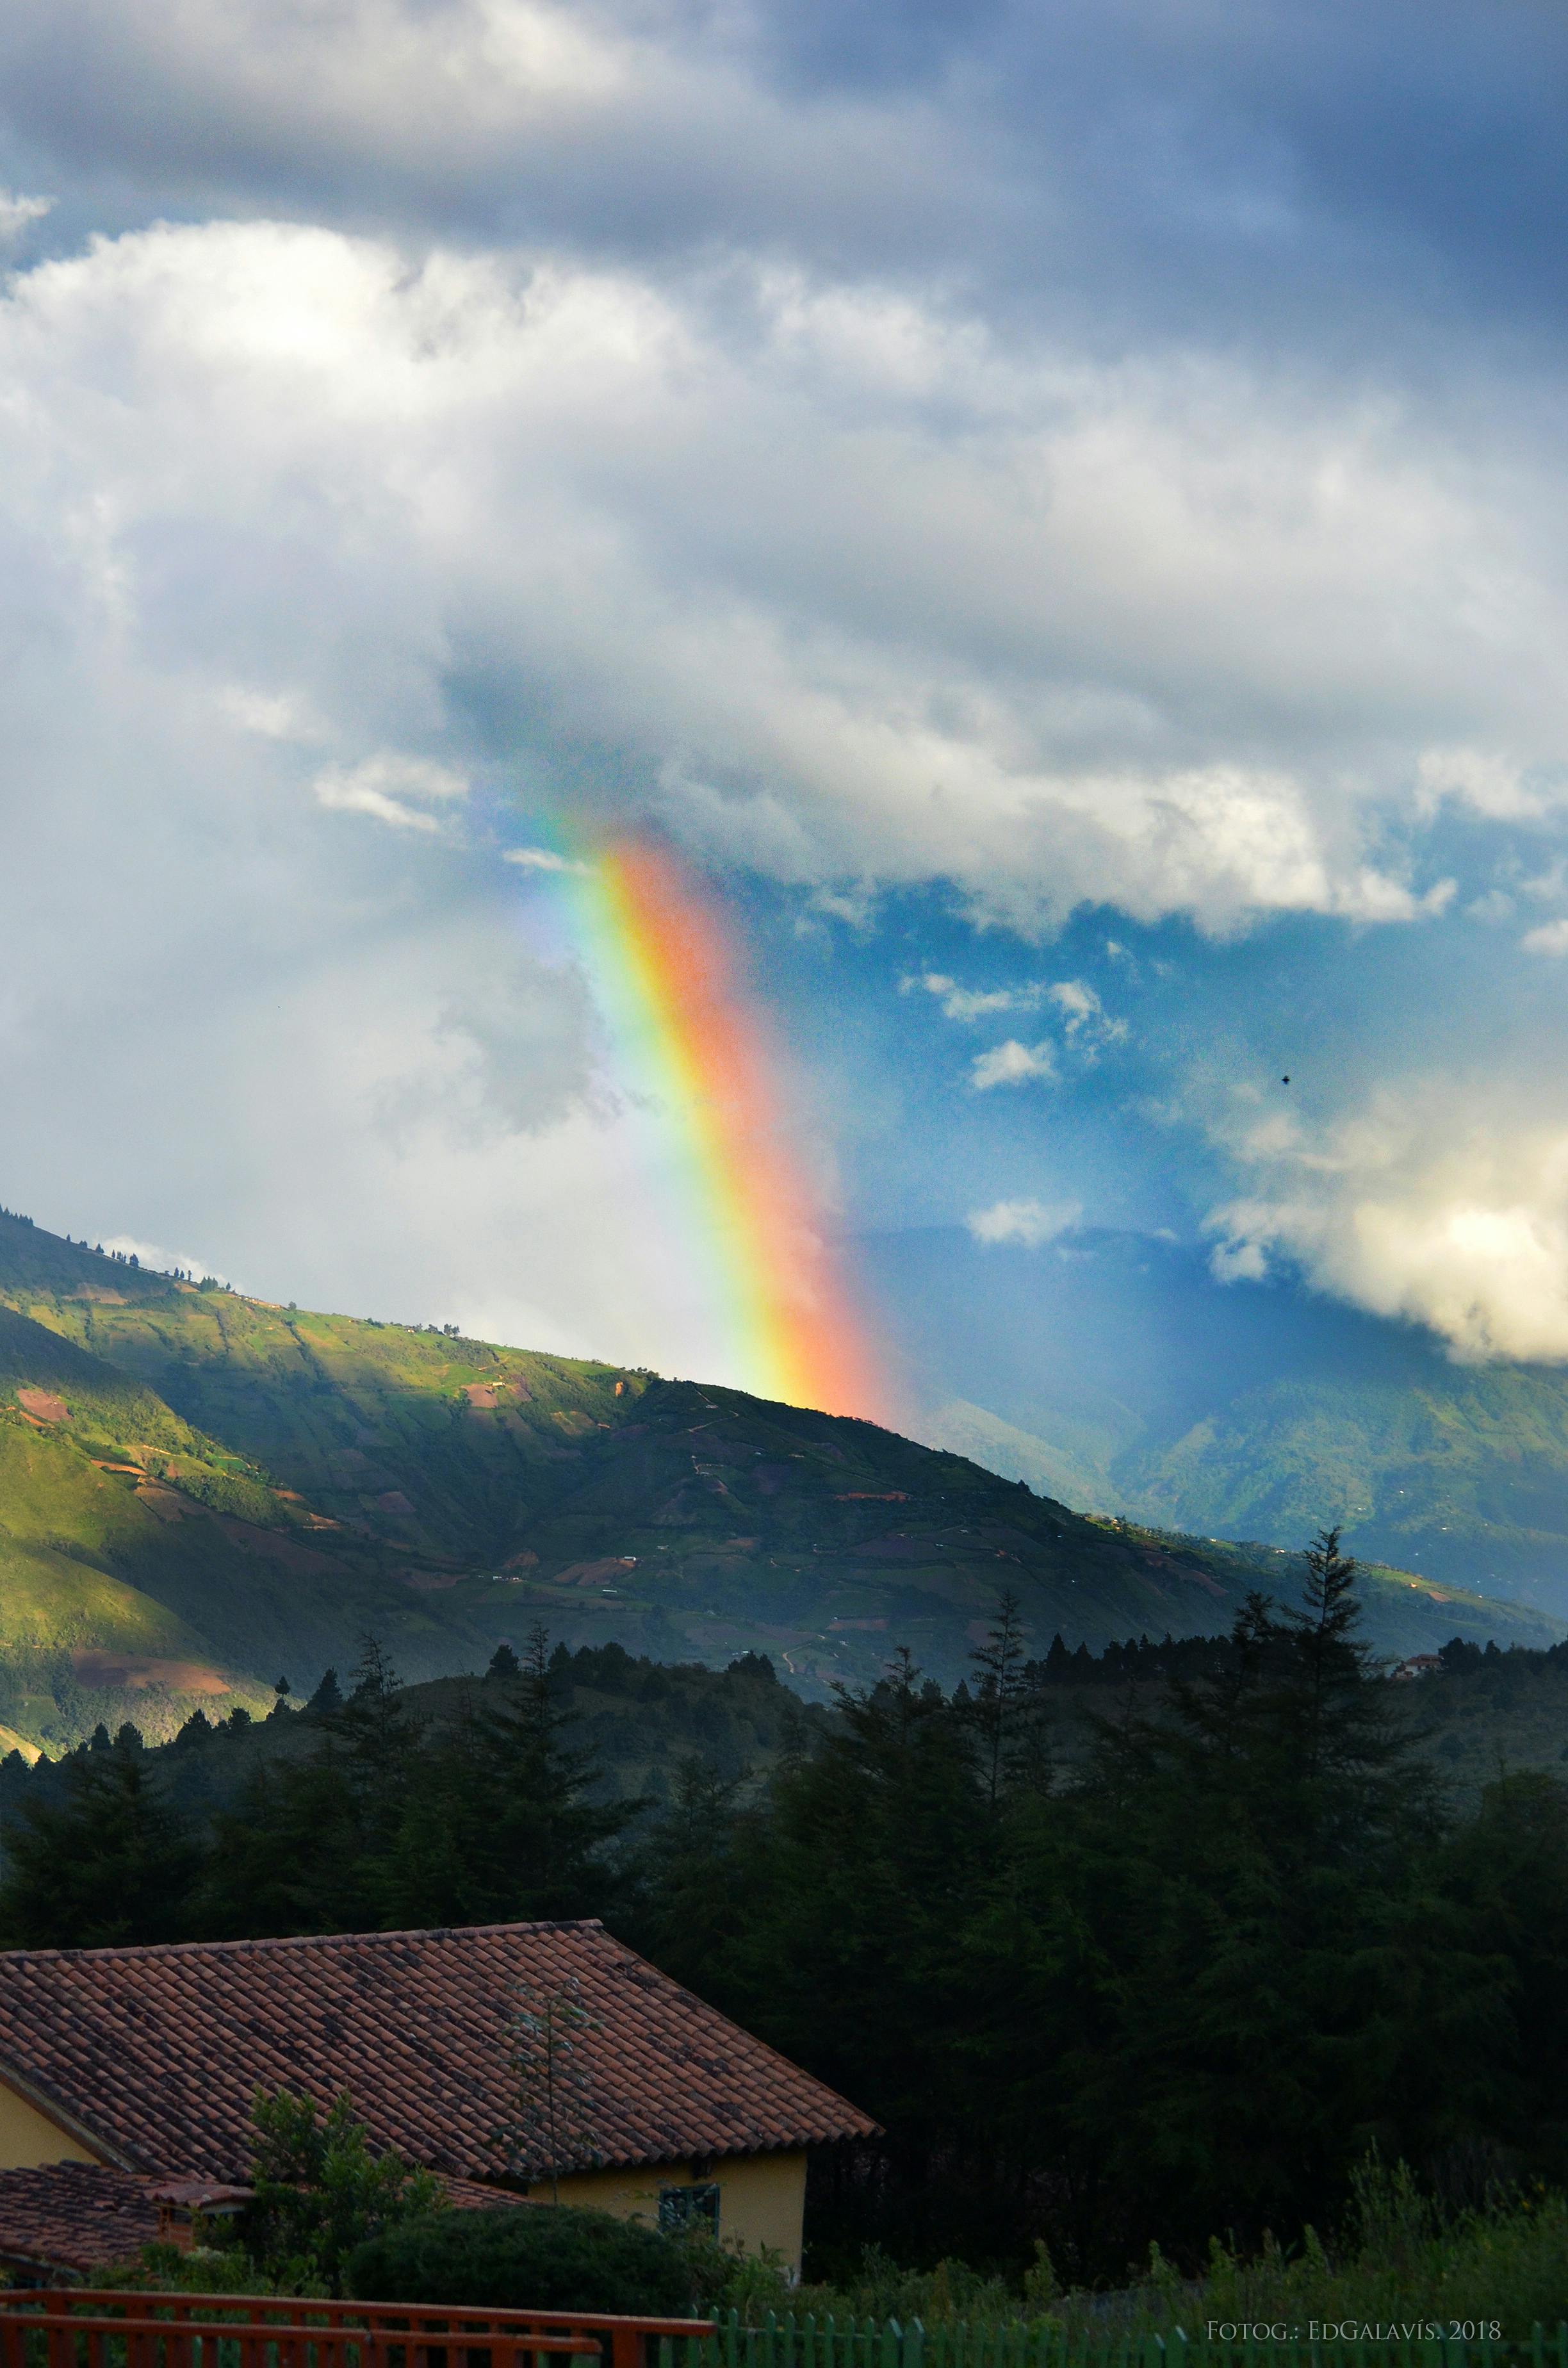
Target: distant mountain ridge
199	1491
1112	1368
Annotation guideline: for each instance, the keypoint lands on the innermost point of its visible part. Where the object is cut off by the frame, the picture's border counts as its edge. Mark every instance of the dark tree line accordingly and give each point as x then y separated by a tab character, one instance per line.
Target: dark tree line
383	1824
1178	1991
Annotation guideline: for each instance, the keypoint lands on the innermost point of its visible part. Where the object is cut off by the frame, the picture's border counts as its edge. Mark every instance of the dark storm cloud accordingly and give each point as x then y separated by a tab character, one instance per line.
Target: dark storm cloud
1348	175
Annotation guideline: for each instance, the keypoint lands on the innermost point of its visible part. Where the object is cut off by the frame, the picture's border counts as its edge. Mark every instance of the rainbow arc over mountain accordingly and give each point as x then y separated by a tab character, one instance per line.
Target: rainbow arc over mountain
696	1044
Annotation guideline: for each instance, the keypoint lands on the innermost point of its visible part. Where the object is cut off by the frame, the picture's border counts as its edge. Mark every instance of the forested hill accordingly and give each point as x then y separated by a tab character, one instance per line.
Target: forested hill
628	1725
199	1489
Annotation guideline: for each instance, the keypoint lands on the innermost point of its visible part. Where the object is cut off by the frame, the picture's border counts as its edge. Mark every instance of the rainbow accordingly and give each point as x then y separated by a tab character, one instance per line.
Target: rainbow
695	1047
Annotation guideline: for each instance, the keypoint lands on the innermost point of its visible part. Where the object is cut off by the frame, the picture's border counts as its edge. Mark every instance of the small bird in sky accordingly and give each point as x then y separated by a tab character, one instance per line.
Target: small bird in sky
1284	1081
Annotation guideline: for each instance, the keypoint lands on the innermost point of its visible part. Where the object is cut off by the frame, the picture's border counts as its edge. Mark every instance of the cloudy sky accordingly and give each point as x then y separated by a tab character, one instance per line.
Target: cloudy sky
1058	512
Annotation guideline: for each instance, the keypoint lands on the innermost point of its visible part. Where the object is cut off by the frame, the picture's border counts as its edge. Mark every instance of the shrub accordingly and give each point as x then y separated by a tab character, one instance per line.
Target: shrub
526	2256
319	2192
725	2276
222	2268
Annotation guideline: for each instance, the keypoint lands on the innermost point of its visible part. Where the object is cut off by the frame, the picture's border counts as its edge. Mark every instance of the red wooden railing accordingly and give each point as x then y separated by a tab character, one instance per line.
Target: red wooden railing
51	2327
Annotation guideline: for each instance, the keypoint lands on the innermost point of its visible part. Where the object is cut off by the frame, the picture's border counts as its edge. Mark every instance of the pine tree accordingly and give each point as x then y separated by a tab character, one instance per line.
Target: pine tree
436	1866
1254	1838
867	1868
309	1844
378	1742
501	1822
694	1879
1496	2050
1008	1709
542	1854
285	1857
106	1863
1350	1748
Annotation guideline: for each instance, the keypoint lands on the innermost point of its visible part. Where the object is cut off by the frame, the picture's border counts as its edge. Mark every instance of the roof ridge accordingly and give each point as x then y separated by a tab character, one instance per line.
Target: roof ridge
310	1941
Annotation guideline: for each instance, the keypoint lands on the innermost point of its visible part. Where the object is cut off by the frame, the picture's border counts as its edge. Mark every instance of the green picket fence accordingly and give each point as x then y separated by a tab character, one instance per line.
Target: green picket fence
809	2341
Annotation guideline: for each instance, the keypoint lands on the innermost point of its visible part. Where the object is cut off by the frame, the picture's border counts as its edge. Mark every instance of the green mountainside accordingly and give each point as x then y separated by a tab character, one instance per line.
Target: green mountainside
1464	1477
1113	1370
199	1489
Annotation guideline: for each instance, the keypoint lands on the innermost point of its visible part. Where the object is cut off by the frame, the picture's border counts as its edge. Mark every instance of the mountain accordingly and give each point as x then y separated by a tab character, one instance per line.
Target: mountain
1114	1369
199	1491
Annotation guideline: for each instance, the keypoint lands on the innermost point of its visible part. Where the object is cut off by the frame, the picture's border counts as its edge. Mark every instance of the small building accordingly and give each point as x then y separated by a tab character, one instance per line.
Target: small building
458	2047
61	2223
63	2220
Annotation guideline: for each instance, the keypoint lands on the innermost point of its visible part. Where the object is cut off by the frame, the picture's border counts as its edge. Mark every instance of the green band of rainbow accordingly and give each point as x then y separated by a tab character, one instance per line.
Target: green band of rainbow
693	1044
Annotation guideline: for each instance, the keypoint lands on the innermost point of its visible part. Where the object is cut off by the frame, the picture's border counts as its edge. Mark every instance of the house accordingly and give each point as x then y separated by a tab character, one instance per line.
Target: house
63	2221
69	2218
462	2049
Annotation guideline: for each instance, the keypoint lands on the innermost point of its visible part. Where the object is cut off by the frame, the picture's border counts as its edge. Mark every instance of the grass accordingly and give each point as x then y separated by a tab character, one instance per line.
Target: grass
1400	2260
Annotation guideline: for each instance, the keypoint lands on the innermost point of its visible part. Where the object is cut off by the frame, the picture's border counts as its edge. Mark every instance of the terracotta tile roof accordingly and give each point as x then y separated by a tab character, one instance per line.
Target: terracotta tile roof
474	2195
155	2053
75	2216
71	2215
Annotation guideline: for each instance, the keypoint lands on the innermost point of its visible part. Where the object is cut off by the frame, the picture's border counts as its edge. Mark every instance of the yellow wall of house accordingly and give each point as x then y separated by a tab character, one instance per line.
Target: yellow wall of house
762	2197
29	2137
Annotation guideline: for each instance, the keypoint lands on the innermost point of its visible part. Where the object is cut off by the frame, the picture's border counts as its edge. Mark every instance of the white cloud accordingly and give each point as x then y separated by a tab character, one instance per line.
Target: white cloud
863	596
540	859
162	1261
382	785
1442	1201
1489	783
1086	1019
1086	1024
980	1004
350	796
1240	1260
1029	1223
1551	937
1077	1003
211	579
1012	1063
270	714
973	1003
623	120
17	212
